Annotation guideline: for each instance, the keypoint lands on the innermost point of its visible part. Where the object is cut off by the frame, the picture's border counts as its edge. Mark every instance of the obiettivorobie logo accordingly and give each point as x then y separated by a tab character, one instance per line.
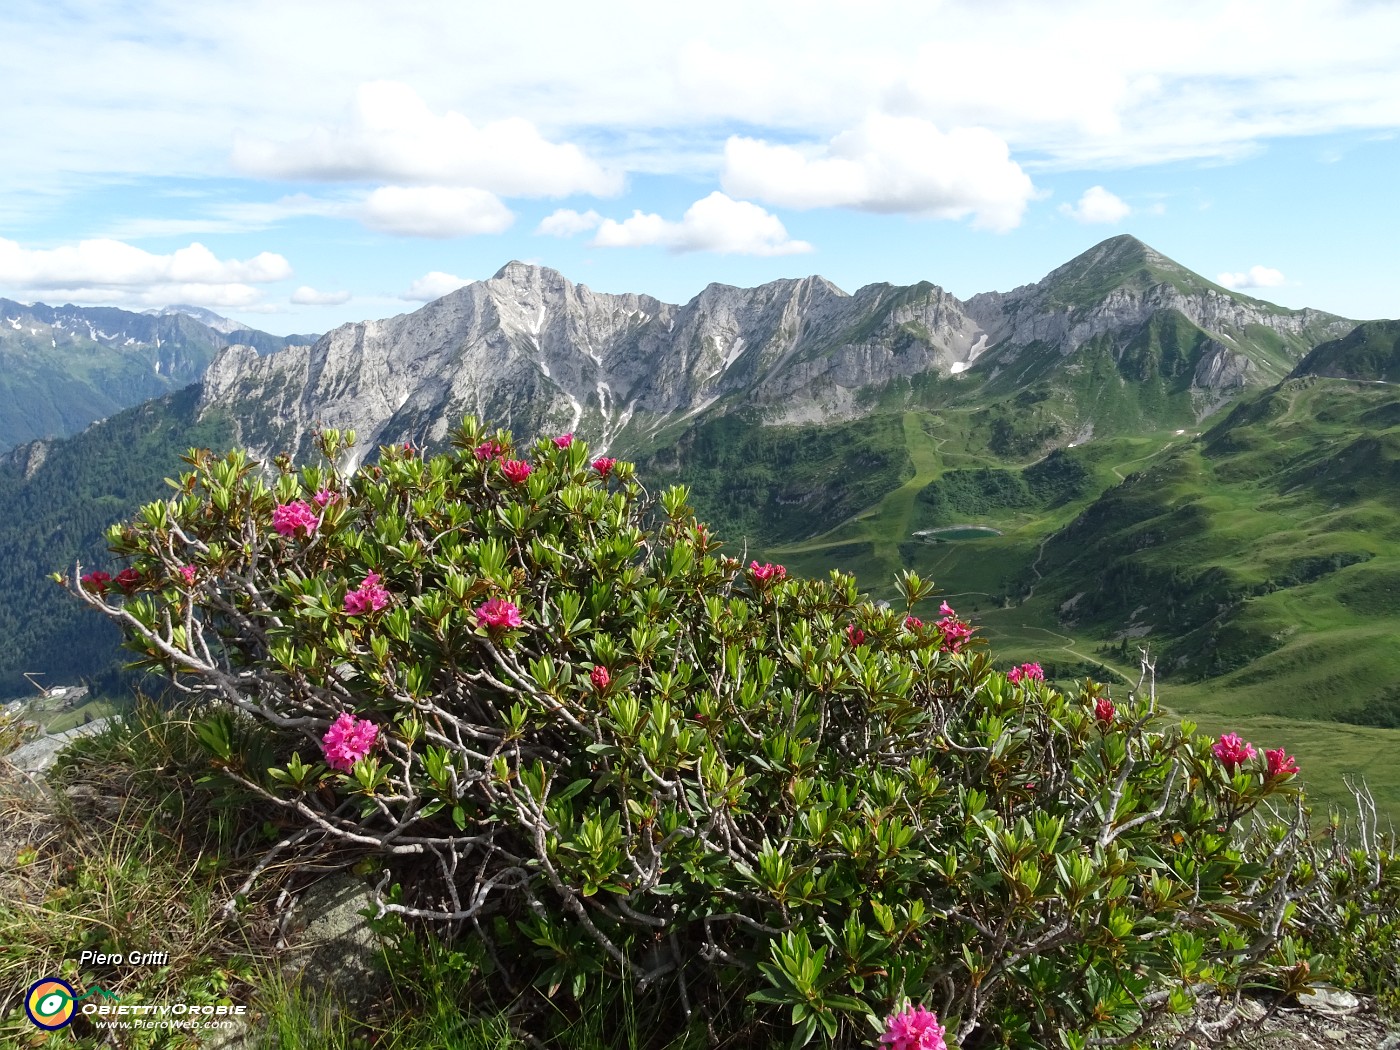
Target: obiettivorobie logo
50	1002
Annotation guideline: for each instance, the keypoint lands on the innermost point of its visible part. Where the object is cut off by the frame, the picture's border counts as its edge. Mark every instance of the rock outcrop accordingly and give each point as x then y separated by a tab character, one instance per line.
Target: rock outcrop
530	350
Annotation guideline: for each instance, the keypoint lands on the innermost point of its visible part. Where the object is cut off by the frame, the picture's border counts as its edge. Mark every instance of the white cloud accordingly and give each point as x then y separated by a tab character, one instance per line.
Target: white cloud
1097	205
433	285
567	223
1065	84
715	224
888	164
392	134
1254	277
434	211
308	296
102	262
109	271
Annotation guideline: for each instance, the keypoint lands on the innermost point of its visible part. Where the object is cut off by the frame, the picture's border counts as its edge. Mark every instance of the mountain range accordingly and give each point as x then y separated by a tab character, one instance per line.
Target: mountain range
63	367
1121	455
1119	338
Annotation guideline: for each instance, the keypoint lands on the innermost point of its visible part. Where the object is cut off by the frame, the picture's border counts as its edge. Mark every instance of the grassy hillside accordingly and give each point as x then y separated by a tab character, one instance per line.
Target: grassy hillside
1370	352
1258	560
61	511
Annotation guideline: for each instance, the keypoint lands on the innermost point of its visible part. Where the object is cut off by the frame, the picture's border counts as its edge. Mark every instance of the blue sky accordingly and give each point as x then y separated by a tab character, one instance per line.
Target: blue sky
297	166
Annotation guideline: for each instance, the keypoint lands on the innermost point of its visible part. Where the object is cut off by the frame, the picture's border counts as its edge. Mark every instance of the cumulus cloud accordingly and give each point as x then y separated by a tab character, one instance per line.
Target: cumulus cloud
434	211
433	285
1072	82
392	135
715	224
567	223
1254	277
1097	205
110	271
887	164
308	296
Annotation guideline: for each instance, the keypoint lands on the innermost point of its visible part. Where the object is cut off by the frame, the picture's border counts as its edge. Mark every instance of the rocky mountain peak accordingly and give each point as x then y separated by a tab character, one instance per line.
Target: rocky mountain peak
530	350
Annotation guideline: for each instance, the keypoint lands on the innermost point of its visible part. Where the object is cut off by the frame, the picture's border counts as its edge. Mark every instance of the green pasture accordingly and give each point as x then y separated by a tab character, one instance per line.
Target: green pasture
1284	497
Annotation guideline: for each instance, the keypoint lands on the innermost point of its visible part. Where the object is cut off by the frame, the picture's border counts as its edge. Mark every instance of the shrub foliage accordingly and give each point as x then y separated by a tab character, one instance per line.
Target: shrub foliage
567	725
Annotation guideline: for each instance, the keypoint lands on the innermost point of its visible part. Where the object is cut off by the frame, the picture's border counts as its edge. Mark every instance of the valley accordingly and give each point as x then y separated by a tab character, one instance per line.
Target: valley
1258	561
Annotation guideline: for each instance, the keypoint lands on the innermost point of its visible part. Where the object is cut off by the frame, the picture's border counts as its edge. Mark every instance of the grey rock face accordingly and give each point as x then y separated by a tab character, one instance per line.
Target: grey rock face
38	755
532	351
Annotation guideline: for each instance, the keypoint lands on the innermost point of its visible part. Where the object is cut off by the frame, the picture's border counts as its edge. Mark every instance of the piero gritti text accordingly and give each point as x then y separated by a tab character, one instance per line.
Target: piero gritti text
89	958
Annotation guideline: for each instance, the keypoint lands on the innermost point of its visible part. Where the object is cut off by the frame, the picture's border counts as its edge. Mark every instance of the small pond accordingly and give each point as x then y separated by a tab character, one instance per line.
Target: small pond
957	532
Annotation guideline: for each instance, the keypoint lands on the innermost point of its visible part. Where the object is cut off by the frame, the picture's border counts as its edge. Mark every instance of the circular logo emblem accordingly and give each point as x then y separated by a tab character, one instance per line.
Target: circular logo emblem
49	1003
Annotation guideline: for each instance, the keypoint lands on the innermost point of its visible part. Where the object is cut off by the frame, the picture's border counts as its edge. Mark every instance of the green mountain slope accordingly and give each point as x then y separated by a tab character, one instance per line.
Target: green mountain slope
1122	340
1370	352
59	498
1265	556
61	368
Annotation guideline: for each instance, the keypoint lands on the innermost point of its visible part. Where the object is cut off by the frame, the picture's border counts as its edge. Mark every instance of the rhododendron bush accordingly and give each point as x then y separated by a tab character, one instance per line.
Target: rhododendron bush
564	723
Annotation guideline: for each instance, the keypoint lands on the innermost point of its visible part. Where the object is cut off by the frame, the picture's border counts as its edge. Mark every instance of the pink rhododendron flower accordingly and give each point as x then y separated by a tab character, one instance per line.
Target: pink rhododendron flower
854	634
96	581
516	471
348	740
604	464
955	631
128	580
600	677
1279	763
564	441
914	1029
913	623
295	517
188	572
489	449
1104	709
1231	751
767	571
498	613
324	497
1025	673
367	597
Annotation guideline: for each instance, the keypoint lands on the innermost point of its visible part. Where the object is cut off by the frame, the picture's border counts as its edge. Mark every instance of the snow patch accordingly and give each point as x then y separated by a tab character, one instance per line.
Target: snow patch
701	407
734	352
544	367
14	322
978	348
539	323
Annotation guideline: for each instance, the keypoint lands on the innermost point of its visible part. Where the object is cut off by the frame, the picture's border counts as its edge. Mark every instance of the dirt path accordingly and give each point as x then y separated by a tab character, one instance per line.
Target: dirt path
1141	459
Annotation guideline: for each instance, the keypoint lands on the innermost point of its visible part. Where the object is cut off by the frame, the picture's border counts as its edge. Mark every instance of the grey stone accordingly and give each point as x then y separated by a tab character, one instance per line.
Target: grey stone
39	755
331	949
1324	999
